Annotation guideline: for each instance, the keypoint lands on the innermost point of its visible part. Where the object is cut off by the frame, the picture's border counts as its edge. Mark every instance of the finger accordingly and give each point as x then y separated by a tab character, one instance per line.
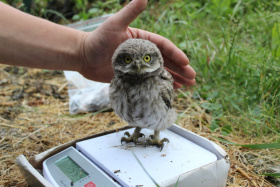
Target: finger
166	47
177	85
126	15
180	80
185	71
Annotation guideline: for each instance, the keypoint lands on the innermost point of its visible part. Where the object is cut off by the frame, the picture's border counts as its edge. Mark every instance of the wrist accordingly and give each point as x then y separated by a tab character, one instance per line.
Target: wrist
81	51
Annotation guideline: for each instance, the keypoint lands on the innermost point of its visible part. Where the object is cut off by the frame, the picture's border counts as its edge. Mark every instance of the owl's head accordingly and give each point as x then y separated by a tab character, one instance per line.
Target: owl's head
137	56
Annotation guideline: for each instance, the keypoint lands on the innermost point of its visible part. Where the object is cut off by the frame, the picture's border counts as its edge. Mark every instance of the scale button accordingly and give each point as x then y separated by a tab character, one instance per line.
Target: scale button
90	184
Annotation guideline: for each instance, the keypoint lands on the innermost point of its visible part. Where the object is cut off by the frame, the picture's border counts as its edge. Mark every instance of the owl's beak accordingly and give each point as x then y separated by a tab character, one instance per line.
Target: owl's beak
138	65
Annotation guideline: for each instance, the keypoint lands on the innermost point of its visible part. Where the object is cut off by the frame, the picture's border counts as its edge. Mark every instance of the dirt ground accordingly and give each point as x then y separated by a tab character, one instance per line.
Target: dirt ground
34	117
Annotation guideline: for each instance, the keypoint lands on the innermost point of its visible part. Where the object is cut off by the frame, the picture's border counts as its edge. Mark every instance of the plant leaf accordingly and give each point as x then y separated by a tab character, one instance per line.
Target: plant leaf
271	174
145	169
214	126
253	146
275	40
76	17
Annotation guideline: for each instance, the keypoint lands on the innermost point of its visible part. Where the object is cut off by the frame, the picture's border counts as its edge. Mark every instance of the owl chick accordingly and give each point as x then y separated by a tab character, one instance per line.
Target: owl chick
141	91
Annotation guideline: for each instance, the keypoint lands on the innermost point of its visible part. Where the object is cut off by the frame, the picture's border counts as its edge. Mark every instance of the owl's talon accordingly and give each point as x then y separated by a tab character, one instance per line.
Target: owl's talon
141	135
127	133
159	144
161	147
123	140
134	137
164	140
162	143
154	140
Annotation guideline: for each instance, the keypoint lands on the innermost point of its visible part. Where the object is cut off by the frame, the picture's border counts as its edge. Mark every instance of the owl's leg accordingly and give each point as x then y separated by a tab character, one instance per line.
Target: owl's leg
134	137
154	140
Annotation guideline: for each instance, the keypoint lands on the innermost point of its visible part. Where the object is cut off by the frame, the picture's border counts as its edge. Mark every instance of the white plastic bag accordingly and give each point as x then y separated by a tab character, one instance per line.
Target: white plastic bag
86	95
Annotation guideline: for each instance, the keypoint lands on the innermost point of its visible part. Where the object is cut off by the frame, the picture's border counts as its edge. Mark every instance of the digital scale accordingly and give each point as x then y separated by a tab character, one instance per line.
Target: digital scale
104	161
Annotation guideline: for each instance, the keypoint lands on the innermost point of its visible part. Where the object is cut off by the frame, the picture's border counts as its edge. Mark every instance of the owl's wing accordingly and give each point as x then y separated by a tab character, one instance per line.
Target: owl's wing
166	91
166	101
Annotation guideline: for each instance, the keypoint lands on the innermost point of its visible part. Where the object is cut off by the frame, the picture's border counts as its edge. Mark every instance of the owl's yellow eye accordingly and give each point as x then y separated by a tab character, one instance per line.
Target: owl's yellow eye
147	58
127	59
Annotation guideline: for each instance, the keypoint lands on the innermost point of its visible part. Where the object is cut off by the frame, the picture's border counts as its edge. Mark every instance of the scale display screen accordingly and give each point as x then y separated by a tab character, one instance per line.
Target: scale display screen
72	170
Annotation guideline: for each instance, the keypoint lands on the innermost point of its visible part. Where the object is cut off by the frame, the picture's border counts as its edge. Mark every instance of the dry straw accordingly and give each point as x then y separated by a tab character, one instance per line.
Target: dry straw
34	117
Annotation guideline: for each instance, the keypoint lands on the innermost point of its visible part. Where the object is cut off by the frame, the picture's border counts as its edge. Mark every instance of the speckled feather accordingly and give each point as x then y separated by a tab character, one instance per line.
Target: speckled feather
143	98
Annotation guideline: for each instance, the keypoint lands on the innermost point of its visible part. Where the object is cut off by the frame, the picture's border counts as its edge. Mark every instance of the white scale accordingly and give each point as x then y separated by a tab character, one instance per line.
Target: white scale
103	161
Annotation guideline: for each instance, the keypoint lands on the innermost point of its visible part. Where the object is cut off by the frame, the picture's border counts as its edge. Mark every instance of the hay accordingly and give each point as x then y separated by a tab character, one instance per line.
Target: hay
34	117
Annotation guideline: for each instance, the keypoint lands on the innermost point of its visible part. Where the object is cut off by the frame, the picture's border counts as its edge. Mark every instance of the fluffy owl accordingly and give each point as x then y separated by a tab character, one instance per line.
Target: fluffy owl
141	91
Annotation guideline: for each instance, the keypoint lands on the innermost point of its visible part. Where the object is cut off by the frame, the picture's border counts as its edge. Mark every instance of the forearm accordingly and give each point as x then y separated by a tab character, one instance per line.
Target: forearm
29	41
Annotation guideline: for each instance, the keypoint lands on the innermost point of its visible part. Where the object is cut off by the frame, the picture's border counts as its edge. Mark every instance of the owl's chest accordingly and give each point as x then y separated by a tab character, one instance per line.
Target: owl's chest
146	89
135	97
142	91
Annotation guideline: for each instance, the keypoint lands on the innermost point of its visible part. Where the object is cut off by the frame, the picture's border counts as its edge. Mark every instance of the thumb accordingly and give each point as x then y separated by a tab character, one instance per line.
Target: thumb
126	15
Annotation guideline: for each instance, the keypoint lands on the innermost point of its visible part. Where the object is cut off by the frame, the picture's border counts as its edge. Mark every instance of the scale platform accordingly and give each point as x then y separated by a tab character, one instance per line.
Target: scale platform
138	165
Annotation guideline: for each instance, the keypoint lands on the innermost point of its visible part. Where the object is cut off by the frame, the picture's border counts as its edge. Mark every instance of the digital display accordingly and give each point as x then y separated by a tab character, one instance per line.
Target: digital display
72	170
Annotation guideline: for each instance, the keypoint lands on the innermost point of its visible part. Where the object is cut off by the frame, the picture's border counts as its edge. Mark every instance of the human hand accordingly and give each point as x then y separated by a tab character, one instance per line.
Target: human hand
99	46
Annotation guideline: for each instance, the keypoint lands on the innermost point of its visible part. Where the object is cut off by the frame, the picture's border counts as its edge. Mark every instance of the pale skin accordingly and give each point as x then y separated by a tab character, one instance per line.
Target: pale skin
33	42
